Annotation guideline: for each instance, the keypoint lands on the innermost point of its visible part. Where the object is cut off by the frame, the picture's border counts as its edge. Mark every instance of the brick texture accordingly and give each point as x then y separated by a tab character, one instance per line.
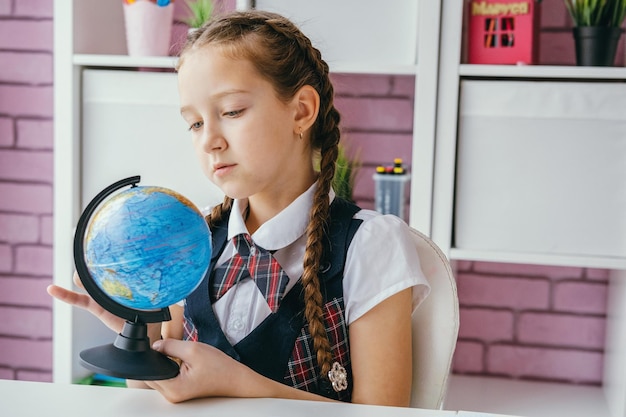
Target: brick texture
7	136
486	324
32	198
34	8
469	357
6	258
504	292
25	292
26	153
26	165
33	260
34	134
561	330
383	114
544	323
5	7
23	34
27	354
26	100
517	321
26	67
45	229
556	272
26	322
580	297
19	228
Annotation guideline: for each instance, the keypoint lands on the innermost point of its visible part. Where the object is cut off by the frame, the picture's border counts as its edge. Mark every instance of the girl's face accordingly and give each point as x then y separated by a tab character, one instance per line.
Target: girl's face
245	137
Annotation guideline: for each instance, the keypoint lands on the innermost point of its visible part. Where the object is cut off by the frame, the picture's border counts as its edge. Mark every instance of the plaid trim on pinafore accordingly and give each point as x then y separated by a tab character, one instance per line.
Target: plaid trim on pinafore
303	370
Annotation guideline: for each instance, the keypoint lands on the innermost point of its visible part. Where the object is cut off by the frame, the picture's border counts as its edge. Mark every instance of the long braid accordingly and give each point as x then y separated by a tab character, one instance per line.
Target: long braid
313	253
328	134
325	137
285	56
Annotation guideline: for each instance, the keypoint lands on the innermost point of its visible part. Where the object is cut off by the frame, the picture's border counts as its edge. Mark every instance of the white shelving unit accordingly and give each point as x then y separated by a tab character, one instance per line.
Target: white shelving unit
524	398
454	195
97	85
452	75
542	72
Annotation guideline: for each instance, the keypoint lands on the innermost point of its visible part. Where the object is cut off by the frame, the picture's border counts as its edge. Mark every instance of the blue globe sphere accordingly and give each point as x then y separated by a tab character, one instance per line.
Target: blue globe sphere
147	247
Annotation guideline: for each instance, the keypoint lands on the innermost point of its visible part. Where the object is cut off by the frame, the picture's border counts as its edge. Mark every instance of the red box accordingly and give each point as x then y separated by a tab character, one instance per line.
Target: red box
503	32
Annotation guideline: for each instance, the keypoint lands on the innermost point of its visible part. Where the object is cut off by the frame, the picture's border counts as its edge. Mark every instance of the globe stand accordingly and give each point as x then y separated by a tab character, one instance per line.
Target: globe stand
130	356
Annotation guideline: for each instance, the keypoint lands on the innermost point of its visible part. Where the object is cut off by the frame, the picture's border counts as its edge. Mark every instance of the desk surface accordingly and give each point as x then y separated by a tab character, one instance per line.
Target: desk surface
30	399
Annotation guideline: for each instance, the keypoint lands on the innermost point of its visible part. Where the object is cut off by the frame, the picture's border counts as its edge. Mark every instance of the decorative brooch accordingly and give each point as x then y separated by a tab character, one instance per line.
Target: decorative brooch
338	376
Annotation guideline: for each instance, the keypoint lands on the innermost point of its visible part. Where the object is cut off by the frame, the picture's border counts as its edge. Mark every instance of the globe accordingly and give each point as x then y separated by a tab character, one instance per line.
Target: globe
137	252
147	247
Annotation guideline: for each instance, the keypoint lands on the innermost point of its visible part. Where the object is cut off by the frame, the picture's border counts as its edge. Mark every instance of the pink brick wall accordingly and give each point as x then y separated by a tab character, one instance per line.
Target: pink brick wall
25	189
518	321
531	322
375	109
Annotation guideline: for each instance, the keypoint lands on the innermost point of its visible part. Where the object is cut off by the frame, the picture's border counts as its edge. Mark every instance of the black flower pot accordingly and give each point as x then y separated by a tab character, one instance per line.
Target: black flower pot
596	45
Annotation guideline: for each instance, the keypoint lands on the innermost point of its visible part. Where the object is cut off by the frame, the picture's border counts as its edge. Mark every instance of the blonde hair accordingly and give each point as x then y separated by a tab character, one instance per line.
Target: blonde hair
284	56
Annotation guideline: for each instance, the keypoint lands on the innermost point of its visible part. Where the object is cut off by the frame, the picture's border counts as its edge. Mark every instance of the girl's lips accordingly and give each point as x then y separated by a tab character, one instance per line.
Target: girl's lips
222	169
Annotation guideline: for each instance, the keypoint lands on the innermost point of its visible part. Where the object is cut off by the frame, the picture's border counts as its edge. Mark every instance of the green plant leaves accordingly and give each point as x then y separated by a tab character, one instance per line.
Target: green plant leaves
200	10
597	12
345	174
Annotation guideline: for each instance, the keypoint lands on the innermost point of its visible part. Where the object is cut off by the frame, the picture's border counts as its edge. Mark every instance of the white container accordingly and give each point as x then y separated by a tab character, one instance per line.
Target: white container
148	28
389	195
538	171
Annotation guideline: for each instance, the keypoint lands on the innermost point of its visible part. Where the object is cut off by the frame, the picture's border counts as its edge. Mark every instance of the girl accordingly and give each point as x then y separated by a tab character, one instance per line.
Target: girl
337	322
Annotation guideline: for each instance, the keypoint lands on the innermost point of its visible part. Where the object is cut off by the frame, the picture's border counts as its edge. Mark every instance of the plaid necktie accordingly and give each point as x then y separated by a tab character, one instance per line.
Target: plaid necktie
255	262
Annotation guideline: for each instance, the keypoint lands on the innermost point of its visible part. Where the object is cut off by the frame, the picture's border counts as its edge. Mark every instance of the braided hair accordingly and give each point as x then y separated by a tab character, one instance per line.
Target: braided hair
284	56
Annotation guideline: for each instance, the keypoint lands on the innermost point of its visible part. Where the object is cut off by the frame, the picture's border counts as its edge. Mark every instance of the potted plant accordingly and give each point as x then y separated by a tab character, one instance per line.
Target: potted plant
345	174
597	29
199	12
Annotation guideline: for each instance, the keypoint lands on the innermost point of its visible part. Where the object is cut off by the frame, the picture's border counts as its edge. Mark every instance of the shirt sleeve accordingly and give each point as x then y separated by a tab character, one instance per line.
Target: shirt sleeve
381	261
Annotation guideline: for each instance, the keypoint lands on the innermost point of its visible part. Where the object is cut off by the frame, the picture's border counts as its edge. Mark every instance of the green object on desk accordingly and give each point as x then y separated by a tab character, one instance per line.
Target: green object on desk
103	380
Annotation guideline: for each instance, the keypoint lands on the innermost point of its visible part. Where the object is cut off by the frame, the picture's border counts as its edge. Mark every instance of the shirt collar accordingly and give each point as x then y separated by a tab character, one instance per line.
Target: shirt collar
281	230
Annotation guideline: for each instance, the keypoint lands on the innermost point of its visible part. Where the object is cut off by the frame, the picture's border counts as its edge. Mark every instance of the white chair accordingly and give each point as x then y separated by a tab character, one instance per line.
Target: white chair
435	326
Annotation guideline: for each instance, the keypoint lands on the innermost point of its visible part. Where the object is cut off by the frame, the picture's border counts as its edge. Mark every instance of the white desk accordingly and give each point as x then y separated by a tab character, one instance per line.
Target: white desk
36	399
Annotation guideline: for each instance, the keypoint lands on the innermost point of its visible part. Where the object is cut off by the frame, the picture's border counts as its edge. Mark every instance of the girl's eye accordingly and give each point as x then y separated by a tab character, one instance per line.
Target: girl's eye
233	113
195	126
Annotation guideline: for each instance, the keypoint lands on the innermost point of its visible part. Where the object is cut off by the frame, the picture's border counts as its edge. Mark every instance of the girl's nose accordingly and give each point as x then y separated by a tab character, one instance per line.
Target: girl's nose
212	138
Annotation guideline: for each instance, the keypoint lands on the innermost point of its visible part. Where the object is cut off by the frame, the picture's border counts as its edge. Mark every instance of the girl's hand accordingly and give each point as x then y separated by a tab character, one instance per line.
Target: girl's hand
85	302
204	372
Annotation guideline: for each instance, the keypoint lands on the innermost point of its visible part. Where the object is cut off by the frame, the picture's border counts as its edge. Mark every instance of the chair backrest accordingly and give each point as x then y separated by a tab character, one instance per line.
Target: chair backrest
435	326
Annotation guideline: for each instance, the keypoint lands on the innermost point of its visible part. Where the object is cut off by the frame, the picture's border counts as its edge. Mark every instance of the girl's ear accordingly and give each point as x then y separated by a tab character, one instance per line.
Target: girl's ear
307	106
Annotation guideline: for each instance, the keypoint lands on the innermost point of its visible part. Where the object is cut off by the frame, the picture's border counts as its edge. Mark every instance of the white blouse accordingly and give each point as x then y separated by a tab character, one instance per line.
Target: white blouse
381	261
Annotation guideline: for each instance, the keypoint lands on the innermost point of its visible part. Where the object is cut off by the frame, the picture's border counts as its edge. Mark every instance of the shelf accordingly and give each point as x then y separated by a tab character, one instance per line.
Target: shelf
125	61
524	398
542	71
538	258
169	62
355	68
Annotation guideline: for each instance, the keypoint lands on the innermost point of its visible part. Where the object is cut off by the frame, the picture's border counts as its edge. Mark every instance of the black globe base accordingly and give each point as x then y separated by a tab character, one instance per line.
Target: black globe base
130	357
